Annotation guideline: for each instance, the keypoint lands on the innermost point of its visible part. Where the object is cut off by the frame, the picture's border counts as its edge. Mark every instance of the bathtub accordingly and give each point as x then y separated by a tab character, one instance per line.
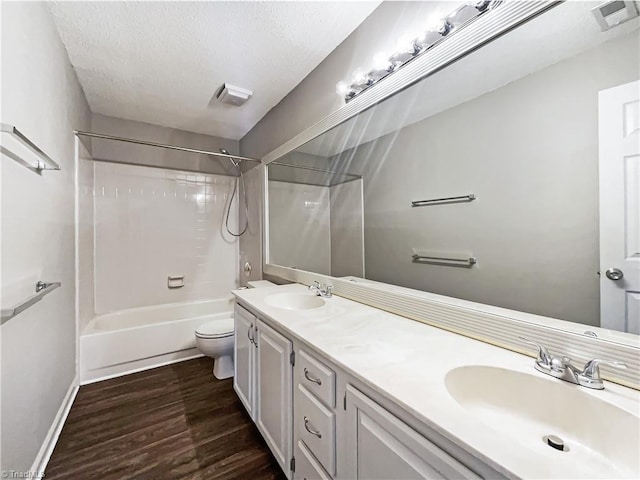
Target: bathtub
131	340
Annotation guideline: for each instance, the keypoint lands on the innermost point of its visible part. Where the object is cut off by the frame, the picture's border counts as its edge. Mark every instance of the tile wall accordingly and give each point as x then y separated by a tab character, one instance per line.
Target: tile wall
152	223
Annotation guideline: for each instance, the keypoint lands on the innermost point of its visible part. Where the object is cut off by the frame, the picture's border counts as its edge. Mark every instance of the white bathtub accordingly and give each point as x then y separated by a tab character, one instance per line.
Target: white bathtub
140	338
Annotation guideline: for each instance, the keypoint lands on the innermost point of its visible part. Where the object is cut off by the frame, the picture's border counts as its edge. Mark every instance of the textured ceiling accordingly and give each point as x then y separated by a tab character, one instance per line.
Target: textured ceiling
163	62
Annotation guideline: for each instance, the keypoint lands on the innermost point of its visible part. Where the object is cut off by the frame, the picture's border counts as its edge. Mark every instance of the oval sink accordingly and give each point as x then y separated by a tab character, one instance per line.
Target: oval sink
294	301
597	435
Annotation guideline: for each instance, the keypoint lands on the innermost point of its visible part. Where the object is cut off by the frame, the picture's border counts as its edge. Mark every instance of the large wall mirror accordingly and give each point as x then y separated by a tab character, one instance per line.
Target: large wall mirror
512	129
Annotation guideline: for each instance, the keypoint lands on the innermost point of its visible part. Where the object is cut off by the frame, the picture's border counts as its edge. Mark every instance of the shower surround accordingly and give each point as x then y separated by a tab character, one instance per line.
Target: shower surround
154	223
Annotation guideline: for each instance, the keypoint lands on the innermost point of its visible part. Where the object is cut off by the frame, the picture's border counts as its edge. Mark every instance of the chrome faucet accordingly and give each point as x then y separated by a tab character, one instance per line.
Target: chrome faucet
562	368
323	290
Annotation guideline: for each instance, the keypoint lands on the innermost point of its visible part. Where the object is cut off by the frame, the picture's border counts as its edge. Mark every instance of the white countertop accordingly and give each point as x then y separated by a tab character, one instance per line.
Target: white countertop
407	362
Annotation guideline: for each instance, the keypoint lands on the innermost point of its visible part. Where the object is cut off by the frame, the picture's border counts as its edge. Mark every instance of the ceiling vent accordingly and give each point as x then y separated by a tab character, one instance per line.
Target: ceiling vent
612	14
232	95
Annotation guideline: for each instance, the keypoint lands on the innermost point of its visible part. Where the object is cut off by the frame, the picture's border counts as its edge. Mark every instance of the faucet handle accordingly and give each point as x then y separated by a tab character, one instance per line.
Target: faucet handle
327	290
315	284
592	371
544	356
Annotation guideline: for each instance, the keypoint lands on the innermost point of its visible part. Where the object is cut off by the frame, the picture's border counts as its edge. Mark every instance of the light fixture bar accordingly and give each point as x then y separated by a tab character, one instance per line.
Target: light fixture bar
384	66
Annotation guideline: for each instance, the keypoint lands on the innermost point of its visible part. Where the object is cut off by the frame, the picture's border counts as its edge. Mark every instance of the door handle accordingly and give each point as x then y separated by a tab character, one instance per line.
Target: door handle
311	430
614	274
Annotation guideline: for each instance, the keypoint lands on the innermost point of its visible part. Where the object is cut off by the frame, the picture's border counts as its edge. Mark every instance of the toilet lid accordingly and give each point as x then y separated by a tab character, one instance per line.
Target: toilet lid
222	327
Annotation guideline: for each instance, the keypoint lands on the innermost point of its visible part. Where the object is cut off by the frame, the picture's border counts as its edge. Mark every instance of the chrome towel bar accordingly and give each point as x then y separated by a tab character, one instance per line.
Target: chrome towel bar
460	198
465	262
42	289
14	145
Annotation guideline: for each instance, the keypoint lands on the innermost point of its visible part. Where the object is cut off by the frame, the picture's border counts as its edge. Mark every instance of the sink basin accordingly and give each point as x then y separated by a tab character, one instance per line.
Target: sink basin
294	301
599	437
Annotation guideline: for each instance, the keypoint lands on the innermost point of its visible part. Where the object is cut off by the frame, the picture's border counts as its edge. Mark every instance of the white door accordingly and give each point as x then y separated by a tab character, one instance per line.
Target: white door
274	393
383	447
619	122
244	353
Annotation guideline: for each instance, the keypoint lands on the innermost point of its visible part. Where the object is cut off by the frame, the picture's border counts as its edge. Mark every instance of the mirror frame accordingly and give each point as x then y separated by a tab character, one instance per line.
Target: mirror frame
490	324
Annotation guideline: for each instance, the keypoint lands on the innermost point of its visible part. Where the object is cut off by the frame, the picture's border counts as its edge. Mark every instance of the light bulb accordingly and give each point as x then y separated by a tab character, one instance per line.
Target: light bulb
381	61
360	80
405	44
342	88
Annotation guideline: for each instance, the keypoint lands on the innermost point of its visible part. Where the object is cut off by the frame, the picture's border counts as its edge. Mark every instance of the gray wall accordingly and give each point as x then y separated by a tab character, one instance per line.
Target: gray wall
529	151
42	97
145	155
315	97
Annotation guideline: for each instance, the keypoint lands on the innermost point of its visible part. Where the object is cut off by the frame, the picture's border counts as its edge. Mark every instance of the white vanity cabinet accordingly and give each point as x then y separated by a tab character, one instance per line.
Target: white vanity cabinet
263	381
244	358
273	386
314	417
319	424
381	446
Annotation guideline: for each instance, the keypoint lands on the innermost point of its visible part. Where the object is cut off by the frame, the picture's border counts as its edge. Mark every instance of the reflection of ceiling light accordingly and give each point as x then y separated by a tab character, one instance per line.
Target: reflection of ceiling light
408	48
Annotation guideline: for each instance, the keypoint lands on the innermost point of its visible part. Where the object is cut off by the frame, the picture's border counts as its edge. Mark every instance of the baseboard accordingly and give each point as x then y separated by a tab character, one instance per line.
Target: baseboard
42	459
138	366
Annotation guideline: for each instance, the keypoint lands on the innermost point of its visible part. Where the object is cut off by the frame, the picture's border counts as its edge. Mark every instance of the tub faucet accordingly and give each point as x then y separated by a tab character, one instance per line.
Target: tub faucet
562	368
323	290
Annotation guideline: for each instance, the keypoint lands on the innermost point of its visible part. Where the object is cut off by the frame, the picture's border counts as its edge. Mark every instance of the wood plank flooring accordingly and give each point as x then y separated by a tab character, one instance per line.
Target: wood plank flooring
172	422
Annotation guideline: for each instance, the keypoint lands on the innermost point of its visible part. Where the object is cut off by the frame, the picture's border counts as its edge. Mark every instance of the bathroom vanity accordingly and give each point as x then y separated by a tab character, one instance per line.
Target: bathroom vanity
342	390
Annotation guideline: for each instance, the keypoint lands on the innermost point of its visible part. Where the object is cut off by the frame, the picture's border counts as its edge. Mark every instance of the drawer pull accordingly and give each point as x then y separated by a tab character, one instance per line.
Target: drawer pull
311	430
311	379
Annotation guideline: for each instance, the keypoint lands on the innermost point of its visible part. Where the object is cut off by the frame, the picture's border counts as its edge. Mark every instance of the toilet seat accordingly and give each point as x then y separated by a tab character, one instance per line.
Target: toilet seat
216	329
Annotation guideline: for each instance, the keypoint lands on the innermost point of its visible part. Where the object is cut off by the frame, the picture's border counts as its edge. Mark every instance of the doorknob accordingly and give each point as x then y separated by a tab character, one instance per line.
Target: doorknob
614	274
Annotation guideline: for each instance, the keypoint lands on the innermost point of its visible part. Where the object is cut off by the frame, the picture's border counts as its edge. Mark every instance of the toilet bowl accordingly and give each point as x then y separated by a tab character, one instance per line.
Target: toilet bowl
215	339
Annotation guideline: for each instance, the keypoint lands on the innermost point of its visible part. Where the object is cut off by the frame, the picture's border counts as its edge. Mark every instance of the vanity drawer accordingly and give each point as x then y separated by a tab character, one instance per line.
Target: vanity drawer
316	426
317	378
307	467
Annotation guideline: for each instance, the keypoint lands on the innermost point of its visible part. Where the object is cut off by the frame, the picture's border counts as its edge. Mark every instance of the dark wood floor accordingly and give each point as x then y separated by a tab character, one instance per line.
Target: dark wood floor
173	422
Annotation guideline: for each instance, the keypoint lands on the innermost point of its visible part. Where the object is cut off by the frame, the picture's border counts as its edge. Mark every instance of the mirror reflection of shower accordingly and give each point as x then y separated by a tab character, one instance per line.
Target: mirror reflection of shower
236	163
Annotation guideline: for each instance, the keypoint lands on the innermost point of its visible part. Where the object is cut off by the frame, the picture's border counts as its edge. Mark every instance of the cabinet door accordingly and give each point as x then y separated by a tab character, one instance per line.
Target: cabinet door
385	447
244	353
274	389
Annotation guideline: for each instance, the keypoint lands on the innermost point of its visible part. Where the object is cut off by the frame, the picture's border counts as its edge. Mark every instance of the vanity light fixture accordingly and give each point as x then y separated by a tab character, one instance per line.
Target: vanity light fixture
409	48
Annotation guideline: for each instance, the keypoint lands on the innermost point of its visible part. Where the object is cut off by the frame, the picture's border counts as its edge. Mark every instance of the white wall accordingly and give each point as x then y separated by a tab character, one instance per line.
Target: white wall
299	226
347	234
151	223
42	97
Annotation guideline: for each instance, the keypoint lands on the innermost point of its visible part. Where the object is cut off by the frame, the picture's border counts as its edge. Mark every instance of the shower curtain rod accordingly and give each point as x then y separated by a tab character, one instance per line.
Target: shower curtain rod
314	169
162	145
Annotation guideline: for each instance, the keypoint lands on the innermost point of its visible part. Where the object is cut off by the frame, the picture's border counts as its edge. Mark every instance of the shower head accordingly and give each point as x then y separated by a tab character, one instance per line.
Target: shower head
235	162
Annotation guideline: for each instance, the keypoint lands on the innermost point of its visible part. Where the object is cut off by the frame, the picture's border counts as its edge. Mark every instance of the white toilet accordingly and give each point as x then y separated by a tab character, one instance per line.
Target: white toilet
215	339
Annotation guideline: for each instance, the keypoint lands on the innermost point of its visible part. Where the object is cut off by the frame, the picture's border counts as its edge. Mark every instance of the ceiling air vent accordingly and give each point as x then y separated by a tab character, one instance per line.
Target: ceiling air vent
232	95
612	14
